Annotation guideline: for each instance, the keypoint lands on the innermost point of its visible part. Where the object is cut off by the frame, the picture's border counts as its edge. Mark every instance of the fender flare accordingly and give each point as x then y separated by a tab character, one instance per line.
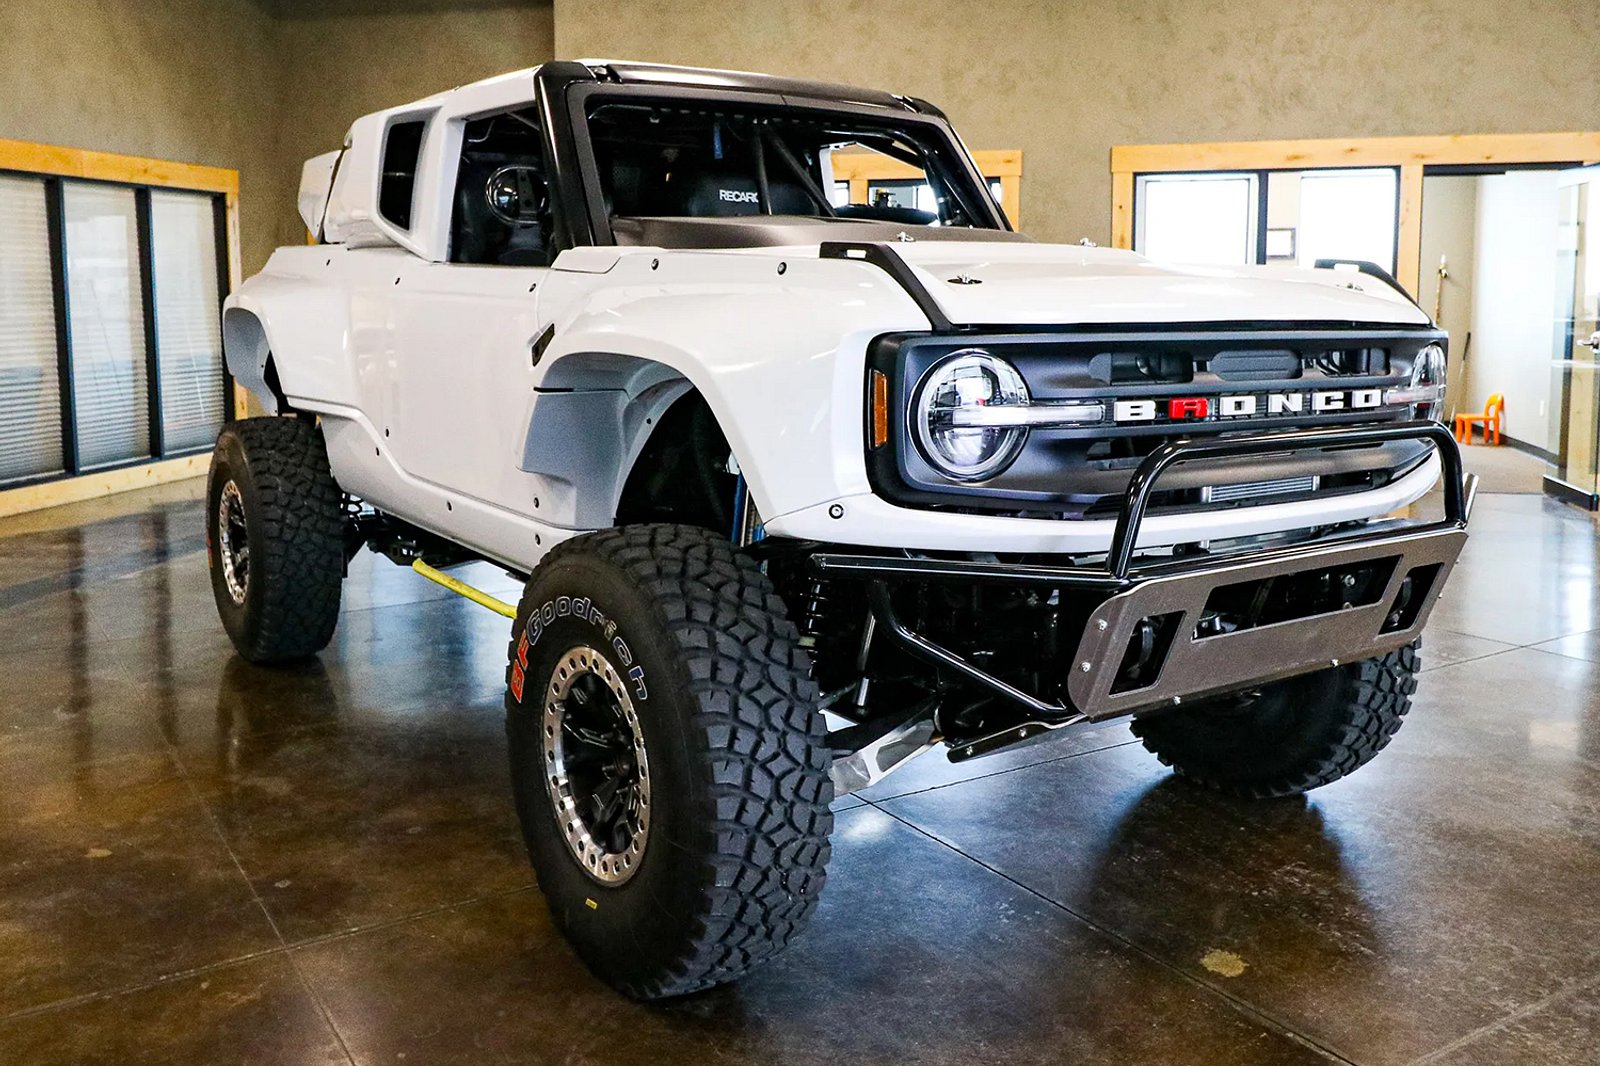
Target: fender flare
247	350
667	361
614	402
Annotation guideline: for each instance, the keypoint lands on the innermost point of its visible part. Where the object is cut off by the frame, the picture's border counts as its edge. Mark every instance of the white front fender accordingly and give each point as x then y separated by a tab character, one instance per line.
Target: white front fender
779	357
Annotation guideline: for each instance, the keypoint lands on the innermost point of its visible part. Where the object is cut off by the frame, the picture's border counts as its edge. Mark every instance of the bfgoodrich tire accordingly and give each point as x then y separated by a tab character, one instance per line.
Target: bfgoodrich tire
1291	736
667	756
274	538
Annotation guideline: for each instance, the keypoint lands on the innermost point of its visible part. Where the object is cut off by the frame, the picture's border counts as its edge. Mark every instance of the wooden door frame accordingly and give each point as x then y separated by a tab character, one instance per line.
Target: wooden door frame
1411	155
57	161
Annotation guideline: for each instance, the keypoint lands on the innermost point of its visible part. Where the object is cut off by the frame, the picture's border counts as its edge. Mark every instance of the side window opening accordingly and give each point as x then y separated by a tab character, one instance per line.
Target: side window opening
501	213
402	147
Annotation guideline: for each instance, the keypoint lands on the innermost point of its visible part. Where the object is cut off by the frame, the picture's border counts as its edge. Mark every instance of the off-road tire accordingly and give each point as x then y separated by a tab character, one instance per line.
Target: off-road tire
738	764
1298	735
294	525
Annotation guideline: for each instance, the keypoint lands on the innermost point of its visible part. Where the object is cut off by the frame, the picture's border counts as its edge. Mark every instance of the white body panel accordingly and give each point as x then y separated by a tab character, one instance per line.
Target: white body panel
1033	284
424	375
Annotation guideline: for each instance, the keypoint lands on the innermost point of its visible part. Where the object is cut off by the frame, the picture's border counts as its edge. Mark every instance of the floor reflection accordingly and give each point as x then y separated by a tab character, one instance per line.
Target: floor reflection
177	825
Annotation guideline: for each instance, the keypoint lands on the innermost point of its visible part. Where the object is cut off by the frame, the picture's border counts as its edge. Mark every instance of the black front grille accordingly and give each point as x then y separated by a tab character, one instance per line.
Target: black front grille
1171	383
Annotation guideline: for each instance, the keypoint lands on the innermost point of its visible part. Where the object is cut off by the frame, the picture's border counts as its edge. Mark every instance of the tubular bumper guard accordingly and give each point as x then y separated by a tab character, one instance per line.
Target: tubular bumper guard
1196	664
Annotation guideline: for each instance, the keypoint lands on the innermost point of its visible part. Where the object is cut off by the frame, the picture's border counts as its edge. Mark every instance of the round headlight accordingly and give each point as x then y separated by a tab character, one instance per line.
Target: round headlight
1428	379
1428	368
949	409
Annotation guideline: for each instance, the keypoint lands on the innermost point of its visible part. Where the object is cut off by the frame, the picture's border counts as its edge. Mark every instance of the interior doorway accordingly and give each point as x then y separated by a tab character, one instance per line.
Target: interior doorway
1507	270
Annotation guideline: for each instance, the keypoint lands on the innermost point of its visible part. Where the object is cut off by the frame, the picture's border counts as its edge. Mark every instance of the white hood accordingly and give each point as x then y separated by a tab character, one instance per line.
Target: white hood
1050	284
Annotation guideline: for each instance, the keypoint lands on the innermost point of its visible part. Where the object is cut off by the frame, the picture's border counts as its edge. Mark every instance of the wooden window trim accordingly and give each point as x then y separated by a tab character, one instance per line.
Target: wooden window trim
49	160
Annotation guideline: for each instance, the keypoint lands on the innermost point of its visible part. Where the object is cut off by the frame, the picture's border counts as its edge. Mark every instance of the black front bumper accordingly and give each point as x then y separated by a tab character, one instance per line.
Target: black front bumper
1402	565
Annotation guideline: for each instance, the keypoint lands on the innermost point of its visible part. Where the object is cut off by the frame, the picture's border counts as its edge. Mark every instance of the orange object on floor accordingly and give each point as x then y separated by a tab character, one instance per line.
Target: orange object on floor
1493	411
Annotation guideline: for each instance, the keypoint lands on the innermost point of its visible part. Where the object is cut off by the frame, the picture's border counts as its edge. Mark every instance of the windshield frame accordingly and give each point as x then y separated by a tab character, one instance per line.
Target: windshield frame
581	98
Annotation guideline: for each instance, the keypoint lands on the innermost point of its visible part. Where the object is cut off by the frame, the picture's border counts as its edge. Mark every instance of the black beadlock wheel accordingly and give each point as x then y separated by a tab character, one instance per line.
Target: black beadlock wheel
668	758
1291	736
274	538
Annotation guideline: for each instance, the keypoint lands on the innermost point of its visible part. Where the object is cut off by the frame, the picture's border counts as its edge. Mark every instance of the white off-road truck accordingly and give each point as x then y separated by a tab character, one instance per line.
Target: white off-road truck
805	482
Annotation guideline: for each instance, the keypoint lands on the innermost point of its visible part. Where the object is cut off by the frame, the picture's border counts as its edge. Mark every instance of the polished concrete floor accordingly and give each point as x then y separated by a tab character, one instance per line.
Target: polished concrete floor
1503	468
202	862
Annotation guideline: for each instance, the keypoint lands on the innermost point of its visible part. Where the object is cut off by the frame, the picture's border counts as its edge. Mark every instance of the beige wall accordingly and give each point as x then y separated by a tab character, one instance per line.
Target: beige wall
337	67
1065	81
254	85
176	79
259	85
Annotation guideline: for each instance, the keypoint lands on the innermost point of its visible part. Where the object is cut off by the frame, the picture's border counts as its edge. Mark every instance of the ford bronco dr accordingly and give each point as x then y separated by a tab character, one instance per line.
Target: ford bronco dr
805	480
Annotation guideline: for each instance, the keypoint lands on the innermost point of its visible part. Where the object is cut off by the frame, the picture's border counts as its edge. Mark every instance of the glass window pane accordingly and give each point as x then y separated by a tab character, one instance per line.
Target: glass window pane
1348	214
1198	218
188	332
30	386
105	318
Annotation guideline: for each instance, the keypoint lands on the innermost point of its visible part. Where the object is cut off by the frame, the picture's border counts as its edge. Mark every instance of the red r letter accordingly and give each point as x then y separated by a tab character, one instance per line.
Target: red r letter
1197	407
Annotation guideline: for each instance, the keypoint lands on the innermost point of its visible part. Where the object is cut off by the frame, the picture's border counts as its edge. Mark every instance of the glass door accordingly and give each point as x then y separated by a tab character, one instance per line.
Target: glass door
1576	380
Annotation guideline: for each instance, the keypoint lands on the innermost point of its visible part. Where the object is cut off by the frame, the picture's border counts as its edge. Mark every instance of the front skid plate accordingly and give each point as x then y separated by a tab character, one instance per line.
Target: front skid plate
1198	667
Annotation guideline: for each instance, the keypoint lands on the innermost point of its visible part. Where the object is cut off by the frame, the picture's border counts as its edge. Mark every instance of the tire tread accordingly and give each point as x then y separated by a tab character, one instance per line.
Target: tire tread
298	567
1374	694
758	729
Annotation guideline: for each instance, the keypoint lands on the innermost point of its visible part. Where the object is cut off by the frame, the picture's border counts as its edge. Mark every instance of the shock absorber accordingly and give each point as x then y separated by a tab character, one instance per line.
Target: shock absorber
813	610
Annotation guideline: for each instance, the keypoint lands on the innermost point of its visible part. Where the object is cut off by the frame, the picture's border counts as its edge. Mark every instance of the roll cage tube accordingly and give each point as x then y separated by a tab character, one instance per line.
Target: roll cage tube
571	224
799	171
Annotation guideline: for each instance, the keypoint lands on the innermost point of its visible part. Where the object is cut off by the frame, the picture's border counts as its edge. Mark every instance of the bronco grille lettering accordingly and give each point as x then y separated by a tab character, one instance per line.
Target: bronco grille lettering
1245	405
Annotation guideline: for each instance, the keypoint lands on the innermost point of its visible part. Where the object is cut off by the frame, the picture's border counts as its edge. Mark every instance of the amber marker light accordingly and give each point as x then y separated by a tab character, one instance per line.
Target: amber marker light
880	409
